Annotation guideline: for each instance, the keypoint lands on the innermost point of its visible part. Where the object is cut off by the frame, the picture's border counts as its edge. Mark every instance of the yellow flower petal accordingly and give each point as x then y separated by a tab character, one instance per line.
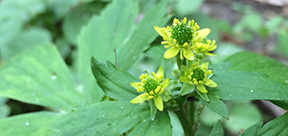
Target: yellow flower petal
158	102
202	88
134	84
203	33
205	65
188	54
160	72
140	98
161	32
165	83
173	51
210	83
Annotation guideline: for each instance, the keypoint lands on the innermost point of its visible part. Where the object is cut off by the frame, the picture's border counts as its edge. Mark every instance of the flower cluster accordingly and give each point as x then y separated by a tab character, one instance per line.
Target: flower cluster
186	41
185	38
197	75
152	87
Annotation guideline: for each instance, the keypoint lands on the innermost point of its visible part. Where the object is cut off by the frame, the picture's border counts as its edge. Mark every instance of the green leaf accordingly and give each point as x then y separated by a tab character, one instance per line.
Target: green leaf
276	127
203	96
99	37
111	118
187	89
142	35
161	126
40	76
177	129
282	42
217	130
216	105
240	85
116	85
79	17
32	124
24	40
253	130
242	115
116	30
247	61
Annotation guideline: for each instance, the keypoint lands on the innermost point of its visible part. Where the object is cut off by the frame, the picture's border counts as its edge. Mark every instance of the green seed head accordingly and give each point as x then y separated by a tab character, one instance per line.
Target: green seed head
150	85
182	34
199	74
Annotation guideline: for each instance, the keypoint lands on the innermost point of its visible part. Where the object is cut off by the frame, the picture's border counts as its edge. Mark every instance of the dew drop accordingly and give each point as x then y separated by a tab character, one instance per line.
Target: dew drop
251	91
33	94
53	77
122	107
27	123
192	58
102	115
80	88
286	81
230	95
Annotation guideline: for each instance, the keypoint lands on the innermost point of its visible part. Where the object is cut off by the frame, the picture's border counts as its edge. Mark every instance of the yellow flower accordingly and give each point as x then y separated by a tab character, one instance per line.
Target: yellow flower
180	37
197	75
152	88
205	47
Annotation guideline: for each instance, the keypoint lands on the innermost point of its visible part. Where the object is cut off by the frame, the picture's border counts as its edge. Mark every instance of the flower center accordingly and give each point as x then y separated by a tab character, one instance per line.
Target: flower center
199	74
182	34
150	85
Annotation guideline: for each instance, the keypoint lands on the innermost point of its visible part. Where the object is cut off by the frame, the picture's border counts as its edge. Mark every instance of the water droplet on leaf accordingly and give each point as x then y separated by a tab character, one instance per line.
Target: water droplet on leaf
27	123
53	77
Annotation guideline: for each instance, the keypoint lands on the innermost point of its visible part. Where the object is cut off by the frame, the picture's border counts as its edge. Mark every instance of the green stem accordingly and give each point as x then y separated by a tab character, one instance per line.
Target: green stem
187	127
191	113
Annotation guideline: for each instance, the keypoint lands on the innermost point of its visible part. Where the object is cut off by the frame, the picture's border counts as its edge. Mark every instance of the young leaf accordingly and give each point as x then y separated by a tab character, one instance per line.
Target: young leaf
253	130
216	105
115	85
217	130
40	76
32	124
276	127
187	88
161	126
110	118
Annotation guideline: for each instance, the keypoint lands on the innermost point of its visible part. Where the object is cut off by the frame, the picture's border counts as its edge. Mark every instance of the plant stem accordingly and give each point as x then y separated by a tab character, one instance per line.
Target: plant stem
187	127
191	114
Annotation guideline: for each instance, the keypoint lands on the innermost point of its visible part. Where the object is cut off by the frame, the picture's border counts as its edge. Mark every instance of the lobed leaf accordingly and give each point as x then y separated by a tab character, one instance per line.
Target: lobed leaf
32	124
40	76
104	118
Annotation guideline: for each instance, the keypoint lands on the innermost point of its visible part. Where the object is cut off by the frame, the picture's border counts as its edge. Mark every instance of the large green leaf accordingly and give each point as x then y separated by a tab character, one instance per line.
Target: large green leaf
33	124
217	130
115	29
247	61
40	76
158	127
24	40
240	85
115	85
111	118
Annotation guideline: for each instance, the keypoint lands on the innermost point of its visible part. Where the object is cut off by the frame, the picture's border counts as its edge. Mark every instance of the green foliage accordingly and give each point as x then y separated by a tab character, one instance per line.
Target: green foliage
52	55
217	130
